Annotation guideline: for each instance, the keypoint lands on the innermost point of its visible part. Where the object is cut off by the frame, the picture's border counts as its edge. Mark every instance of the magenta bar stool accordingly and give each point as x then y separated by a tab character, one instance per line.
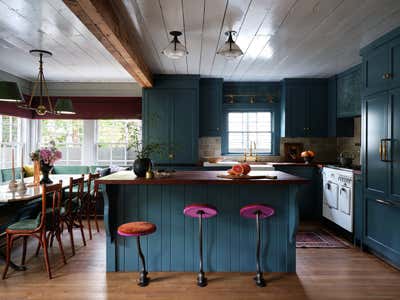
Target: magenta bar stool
257	211
200	211
138	229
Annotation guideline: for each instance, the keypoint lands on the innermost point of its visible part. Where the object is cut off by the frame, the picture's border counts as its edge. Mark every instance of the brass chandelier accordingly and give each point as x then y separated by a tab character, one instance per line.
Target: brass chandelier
63	106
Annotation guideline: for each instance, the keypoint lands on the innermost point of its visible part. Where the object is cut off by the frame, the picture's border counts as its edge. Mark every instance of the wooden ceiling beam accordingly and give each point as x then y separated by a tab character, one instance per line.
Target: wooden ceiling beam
110	23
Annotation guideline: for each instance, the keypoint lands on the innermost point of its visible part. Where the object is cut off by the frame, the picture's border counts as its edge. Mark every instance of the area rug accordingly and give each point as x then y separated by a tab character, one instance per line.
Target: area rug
318	239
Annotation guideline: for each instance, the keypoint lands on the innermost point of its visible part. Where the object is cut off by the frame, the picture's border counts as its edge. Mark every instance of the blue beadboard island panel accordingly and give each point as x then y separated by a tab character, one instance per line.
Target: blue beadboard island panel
229	240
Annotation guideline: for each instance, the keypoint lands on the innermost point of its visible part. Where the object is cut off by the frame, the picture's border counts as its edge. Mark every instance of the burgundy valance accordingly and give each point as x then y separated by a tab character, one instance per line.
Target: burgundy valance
86	108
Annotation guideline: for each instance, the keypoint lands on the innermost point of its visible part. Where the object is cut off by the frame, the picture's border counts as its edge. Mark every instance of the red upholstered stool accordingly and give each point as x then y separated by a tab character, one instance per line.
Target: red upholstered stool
200	211
138	229
257	211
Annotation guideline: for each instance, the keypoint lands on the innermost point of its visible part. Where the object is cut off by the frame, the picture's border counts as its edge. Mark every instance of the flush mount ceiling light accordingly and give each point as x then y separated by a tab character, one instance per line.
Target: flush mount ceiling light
43	96
9	92
230	49
175	49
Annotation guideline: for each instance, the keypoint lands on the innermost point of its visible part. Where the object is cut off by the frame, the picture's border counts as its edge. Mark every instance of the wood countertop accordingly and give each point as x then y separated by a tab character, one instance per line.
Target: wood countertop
201	177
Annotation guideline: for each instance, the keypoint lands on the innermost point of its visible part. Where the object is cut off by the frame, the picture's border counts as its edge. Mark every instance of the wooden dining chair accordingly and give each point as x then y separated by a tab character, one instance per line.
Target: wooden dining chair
48	221
90	202
72	209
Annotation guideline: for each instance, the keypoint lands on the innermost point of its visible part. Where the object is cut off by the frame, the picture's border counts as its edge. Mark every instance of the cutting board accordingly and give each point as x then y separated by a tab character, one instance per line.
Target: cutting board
227	176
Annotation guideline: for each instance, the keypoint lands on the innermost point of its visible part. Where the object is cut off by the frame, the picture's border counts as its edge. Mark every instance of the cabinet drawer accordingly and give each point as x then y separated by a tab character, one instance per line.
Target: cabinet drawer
382	228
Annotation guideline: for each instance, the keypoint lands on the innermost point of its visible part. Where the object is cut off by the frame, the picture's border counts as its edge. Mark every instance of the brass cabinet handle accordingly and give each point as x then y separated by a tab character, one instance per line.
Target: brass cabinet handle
387	76
170	156
383	150
380	150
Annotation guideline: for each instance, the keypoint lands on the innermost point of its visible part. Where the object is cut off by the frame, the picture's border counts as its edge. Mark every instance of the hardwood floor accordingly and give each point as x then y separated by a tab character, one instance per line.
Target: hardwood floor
321	274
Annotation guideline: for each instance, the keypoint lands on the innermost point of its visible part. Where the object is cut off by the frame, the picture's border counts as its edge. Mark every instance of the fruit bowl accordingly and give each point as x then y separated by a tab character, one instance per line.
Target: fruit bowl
308	156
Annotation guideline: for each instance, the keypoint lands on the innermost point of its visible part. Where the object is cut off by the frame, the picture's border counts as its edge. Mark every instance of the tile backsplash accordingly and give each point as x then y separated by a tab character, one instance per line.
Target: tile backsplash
326	149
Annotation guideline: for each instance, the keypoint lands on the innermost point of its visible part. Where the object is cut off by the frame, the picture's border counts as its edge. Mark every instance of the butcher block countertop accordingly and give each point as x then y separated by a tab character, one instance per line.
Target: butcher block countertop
201	177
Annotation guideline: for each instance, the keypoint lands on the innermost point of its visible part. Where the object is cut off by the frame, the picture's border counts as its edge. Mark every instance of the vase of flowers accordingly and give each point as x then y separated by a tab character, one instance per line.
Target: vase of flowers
46	156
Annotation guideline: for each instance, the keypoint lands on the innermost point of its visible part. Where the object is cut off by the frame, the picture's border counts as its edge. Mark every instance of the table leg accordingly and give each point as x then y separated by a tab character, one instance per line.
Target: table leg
12	265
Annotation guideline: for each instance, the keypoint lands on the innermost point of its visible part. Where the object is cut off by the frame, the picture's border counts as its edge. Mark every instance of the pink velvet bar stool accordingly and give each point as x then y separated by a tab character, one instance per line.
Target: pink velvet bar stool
138	229
200	211
257	211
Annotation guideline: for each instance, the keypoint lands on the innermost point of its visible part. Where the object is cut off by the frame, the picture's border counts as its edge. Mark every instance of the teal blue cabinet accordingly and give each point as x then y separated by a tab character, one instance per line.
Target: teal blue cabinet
210	103
381	63
305	108
309	195
349	93
393	145
170	117
358	210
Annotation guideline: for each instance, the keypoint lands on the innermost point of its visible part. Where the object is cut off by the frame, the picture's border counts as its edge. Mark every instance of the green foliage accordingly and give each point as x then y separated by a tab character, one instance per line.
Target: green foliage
142	151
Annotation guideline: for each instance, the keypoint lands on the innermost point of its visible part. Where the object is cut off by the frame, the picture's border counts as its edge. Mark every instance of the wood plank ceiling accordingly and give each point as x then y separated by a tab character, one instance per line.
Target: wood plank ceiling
279	38
49	24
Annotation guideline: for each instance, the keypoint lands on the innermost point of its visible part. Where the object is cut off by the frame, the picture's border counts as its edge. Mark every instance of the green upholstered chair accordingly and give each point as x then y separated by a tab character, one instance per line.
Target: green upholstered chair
37	227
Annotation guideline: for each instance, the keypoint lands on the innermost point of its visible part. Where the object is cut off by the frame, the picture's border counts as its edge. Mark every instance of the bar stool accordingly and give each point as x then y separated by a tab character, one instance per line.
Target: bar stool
138	229
200	211
257	211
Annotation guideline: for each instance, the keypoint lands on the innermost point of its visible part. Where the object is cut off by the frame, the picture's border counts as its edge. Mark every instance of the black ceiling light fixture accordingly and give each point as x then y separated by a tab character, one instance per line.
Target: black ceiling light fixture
175	49
45	106
230	49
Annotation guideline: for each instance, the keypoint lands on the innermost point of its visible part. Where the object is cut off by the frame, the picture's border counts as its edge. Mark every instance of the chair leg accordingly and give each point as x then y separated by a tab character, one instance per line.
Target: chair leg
95	218
88	221
143	279
58	237
10	240
71	235
260	281
46	254
81	227
25	240
201	279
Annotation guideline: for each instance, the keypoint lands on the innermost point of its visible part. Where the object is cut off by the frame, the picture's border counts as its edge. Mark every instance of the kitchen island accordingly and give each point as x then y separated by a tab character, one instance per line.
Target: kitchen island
229	240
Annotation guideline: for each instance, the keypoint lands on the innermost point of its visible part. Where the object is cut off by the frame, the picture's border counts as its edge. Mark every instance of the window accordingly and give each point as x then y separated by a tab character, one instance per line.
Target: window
245	128
68	136
113	141
10	137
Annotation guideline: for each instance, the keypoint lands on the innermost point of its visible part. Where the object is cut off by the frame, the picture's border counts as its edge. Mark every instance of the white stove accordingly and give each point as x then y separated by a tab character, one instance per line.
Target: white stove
338	196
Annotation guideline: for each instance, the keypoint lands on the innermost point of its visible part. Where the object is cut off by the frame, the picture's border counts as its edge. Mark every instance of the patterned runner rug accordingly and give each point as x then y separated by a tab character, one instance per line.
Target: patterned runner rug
318	239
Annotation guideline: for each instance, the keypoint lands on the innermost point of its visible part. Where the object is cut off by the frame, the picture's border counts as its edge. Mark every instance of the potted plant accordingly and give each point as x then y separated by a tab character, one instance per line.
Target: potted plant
46	156
142	162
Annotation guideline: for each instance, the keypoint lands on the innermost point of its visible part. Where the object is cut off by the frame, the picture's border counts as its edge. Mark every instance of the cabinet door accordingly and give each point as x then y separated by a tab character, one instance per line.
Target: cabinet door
349	94
376	113
156	120
382	229
376	65
394	145
185	127
395	63
210	103
317	111
296	114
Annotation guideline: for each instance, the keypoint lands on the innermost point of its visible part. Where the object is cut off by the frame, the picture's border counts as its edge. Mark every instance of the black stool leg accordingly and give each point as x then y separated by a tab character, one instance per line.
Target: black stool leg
201	279
143	279
260	281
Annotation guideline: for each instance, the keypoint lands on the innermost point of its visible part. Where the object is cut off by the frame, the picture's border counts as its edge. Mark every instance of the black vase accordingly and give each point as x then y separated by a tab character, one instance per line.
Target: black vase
45	168
141	166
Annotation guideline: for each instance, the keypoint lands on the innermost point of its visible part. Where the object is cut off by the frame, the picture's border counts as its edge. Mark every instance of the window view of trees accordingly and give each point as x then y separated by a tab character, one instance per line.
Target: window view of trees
114	138
10	136
68	136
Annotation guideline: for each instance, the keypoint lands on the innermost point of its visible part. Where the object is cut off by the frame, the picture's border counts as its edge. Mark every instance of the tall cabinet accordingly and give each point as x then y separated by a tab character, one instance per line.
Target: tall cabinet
170	118
381	147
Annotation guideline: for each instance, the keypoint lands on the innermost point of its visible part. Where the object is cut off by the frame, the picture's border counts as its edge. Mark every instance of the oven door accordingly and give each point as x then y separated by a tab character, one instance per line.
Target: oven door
331	194
345	200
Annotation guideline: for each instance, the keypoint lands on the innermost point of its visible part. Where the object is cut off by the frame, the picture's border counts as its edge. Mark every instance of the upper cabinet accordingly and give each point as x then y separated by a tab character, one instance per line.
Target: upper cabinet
381	64
170	117
349	93
305	108
210	103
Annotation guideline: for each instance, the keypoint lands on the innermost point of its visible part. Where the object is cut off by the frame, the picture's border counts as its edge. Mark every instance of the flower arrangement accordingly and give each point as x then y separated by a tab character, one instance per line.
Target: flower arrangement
47	155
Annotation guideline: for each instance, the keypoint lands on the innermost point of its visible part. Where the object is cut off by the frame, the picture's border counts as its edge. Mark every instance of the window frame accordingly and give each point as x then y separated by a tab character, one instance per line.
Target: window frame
246	108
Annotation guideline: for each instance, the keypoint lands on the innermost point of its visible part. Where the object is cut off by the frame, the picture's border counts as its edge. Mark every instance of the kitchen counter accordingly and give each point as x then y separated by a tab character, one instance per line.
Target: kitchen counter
229	239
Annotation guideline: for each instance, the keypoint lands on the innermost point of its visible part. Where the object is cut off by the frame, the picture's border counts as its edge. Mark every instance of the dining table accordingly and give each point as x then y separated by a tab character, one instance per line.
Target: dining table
32	192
